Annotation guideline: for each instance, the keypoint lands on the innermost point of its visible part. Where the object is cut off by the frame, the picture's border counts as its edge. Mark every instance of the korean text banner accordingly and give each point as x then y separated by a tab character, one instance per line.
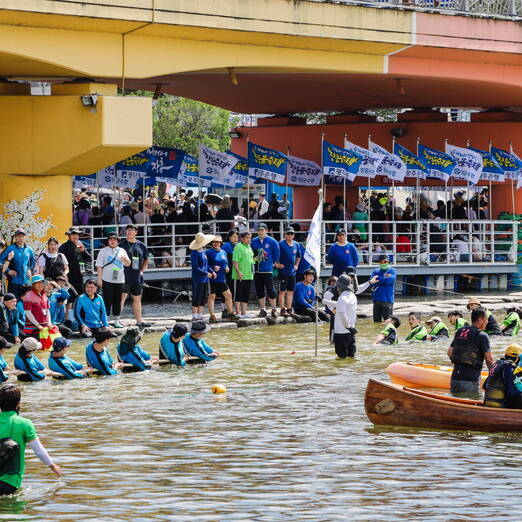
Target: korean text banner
165	162
302	172
339	164
106	177
390	165
491	170
139	164
240	171
217	165
469	163
368	167
508	162
265	163
439	164
189	172
415	168
84	181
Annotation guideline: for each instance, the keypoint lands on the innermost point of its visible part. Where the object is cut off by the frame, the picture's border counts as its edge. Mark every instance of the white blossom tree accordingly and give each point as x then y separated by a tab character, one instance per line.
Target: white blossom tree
24	214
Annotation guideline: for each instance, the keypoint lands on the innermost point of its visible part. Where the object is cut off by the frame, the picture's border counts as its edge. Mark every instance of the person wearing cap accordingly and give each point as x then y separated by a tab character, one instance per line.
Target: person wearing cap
305	297
4	346
139	255
61	363
89	310
110	264
468	351
437	329
22	262
51	263
194	344
201	273
131	353
383	290
503	386
27	363
492	327
388	335
36	307
266	252
342	253
242	272
218	262
289	258
172	347
418	331
511	323
98	357
456	319
10	319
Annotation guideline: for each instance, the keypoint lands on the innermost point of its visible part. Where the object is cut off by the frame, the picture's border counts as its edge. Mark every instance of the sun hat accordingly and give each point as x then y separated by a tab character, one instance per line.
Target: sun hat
30	344
37	279
217	238
200	240
199	327
434	319
472	301
73	230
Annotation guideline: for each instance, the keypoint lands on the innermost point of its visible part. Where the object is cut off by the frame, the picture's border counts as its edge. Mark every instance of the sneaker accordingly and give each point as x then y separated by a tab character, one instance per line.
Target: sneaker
117	324
294	315
225	314
284	312
143	325
262	313
232	317
212	319
274	313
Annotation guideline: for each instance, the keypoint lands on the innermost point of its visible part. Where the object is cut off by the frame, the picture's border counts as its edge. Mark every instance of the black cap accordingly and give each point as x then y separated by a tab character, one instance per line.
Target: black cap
73	230
350	270
103	334
309	271
199	327
131	225
9	297
4	343
110	235
20	231
383	258
289	230
341	231
60	343
179	330
262	225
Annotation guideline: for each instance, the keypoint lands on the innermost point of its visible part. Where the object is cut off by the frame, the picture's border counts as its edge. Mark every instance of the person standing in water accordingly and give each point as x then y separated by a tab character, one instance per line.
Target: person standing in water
16	432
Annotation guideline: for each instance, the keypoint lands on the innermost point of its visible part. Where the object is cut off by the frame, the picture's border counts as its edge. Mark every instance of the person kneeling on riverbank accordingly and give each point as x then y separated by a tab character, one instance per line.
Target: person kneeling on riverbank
89	310
15	433
26	361
492	328
501	390
131	353
418	331
61	363
194	344
304	297
456	319
97	355
511	324
438	330
172	347
388	335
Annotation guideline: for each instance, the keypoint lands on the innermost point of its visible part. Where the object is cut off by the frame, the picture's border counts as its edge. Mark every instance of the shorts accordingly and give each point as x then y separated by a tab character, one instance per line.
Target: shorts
218	288
199	293
132	289
286	283
242	290
264	282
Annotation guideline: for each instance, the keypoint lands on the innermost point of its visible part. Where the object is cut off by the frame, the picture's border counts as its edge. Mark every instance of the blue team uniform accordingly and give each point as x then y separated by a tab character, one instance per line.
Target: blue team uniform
3	365
101	361
199	264
218	258
384	289
304	296
270	255
134	355
198	348
174	352
21	314
66	366
342	256
58	309
90	312
31	366
303	263
24	260
288	255
13	318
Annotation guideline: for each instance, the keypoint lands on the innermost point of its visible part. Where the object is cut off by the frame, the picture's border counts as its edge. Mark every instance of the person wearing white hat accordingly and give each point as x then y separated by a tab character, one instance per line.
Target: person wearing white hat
438	329
201	273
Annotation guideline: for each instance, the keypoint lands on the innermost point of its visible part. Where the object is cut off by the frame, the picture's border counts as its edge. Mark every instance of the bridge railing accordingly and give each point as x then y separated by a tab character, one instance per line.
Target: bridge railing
411	243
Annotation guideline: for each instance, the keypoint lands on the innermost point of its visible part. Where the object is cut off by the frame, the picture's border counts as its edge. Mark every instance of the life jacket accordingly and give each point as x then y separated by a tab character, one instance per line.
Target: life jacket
495	388
390	334
440	330
419	333
465	350
492	328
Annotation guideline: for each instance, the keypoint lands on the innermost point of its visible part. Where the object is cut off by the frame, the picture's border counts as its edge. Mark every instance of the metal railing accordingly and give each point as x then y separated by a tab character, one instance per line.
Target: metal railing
408	243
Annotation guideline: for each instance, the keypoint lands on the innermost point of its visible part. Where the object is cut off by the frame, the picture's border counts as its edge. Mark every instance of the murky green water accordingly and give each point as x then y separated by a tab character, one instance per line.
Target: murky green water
289	441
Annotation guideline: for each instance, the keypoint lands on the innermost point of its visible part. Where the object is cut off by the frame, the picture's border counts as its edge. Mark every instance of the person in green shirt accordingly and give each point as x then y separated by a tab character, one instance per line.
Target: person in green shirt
438	329
16	428
360	215
455	318
388	335
418	331
242	272
511	324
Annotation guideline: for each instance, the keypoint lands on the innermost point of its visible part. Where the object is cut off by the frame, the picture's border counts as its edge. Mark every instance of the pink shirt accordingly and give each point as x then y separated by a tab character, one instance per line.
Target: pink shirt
38	304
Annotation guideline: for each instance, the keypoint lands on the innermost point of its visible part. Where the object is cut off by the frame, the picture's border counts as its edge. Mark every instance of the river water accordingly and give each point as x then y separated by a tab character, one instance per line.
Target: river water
288	441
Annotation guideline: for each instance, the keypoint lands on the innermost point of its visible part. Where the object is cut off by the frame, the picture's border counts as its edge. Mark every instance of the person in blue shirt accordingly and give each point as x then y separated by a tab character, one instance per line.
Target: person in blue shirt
89	310
22	263
20	307
131	353
228	247
57	305
194	344
218	262
29	366
172	347
97	355
4	346
342	254
62	364
289	258
304	265
201	273
383	290
12	319
266	252
304	297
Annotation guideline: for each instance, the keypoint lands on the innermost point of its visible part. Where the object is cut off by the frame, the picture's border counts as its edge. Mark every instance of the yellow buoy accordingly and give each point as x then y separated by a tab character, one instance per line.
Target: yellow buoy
218	388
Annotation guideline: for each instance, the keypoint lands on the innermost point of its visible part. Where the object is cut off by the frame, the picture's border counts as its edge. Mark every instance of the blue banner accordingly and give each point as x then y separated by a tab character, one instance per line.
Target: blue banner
439	164
507	161
265	163
491	170
339	165
240	171
137	165
84	181
165	162
415	168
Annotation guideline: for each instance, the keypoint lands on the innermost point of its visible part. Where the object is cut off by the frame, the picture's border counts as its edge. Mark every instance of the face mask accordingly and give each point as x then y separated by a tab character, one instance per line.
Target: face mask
384	266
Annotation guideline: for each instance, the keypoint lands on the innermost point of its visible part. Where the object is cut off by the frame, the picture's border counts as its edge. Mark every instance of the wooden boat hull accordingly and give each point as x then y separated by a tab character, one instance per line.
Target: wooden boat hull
423	375
394	405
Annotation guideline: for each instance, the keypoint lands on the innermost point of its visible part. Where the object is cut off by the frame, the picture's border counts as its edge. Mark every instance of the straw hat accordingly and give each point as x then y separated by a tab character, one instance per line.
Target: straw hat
472	300
201	240
434	319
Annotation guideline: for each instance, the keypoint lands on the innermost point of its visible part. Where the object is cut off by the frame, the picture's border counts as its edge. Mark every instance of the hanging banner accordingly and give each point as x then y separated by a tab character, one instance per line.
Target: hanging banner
491	170
508	162
240	171
217	166
415	168
390	165
127	179
339	165
165	162
188	173
302	172
84	181
439	164
106	177
138	164
468	163
368	167
265	163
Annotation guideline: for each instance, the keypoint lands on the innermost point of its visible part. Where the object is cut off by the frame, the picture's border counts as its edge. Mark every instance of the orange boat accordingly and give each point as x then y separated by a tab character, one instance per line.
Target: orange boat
393	405
424	375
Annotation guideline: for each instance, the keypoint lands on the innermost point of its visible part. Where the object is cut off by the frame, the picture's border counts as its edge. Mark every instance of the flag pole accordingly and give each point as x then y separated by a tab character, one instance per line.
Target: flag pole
320	194
468	184
369	182
490	193
248	188
393	184
512	183
344	187
286	184
417	184
323	183
446	185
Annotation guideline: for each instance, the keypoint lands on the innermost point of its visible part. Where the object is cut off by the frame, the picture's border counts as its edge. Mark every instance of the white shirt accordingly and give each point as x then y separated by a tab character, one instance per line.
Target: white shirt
461	246
263	207
112	273
346	312
41	259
